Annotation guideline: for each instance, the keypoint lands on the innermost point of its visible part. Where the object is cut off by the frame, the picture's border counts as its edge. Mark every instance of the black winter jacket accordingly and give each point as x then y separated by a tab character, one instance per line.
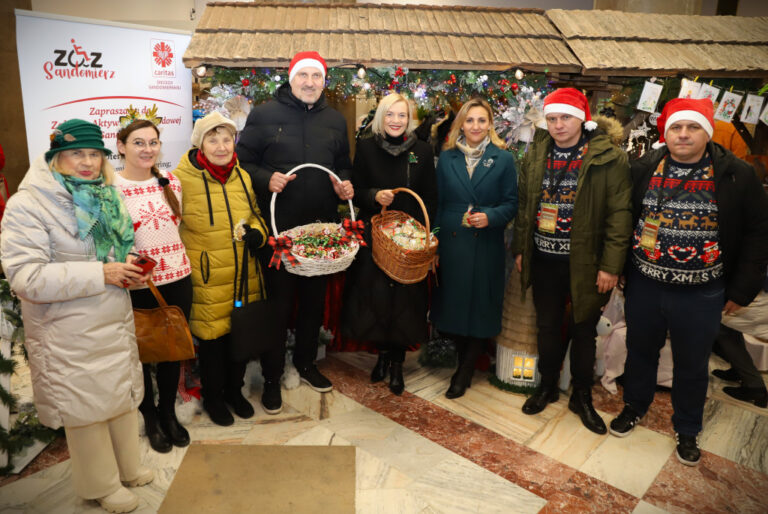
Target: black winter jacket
283	133
742	217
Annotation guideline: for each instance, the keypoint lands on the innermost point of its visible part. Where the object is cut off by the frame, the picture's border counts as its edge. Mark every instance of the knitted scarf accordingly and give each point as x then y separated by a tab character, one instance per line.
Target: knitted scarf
472	156
220	173
100	213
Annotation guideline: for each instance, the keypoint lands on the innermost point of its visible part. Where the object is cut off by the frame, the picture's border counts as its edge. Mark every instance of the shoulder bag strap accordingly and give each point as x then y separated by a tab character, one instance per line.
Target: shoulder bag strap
159	297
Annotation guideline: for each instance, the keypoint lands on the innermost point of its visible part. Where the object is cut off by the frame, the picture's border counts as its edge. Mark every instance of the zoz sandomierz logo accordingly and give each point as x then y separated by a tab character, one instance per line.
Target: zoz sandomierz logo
76	62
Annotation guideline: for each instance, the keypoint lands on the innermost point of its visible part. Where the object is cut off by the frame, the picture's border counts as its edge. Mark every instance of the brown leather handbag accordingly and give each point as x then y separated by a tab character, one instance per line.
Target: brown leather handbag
162	334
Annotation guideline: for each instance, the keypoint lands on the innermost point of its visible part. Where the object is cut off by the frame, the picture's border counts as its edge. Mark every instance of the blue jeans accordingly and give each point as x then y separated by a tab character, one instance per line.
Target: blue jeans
691	314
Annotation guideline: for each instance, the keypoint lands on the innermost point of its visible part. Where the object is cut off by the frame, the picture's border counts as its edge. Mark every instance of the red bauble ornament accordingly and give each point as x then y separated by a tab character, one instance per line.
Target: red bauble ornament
515	87
246	82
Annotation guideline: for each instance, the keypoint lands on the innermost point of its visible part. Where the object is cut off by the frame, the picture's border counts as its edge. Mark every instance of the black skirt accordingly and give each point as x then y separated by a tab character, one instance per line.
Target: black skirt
377	309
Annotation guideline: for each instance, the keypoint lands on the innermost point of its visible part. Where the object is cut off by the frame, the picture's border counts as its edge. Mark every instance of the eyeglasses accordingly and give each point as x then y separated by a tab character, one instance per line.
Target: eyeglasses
155	144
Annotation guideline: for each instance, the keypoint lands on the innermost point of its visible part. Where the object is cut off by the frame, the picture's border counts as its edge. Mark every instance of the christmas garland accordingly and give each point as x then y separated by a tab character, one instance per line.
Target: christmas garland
27	428
512	94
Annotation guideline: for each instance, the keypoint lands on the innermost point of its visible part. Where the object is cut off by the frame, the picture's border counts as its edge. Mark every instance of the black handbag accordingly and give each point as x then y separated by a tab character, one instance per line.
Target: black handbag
254	330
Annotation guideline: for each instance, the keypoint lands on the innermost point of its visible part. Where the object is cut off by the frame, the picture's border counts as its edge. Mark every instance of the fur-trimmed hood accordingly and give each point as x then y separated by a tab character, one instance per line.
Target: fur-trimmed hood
611	127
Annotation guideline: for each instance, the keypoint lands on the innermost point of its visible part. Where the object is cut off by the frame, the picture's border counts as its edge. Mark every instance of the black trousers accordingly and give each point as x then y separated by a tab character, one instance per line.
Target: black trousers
730	346
220	376
166	373
551	282
308	294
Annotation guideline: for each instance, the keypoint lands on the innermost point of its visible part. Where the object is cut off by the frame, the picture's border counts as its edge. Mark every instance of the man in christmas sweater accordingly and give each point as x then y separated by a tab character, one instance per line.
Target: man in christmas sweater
571	237
699	250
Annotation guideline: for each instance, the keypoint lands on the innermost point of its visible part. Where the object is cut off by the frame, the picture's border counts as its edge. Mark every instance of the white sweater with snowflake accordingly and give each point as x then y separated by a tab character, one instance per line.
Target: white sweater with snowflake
155	226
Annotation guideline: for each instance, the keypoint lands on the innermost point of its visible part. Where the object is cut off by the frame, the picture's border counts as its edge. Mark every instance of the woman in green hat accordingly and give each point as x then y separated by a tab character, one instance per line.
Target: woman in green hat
65	249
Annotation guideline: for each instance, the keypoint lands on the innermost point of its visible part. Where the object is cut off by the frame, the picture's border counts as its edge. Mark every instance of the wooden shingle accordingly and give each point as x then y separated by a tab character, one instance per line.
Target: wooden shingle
441	37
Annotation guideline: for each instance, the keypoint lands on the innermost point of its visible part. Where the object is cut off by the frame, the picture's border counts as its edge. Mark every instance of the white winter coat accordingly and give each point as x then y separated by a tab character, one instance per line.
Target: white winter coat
79	331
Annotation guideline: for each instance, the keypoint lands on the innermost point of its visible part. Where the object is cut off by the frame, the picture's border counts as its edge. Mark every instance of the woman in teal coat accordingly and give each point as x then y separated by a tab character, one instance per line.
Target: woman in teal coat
477	197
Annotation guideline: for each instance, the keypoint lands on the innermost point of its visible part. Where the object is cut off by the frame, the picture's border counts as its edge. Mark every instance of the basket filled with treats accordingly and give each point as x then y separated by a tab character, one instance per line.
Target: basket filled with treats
403	248
316	248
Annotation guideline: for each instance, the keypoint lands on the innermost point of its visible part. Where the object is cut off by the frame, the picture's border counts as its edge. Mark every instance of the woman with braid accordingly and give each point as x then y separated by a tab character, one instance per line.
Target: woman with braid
153	199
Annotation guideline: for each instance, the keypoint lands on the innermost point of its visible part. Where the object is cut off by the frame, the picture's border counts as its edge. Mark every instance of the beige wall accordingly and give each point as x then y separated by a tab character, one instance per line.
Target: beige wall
13	131
651	6
158	13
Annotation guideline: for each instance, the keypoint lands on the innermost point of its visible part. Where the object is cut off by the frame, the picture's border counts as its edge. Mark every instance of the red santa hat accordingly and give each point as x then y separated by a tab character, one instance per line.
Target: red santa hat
571	101
306	60
685	109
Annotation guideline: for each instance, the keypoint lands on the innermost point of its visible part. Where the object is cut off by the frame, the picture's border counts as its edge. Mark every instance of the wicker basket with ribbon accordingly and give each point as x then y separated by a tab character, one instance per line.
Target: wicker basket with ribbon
403	265
346	238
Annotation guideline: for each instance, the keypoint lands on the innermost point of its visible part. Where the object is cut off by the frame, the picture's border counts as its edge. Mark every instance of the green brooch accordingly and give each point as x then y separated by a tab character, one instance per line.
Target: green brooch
412	158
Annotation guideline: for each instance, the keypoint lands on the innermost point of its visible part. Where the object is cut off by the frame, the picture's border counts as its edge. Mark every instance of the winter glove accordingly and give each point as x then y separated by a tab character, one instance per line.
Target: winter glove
253	239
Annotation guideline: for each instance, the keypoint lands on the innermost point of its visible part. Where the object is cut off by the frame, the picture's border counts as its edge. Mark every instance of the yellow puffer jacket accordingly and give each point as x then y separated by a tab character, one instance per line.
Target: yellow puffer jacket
210	213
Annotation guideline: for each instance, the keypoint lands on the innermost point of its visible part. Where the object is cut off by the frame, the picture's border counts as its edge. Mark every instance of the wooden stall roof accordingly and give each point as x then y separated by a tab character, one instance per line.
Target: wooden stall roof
620	43
237	34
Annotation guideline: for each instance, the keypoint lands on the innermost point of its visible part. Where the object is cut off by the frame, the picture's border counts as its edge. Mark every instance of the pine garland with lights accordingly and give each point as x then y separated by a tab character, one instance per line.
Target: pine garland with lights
27	428
512	94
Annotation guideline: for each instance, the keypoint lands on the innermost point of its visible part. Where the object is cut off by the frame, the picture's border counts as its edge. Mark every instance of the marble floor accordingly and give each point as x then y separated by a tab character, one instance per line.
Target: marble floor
421	453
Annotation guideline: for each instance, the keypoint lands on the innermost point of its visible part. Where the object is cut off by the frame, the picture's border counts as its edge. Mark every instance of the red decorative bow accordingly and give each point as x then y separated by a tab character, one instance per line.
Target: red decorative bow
355	229
282	246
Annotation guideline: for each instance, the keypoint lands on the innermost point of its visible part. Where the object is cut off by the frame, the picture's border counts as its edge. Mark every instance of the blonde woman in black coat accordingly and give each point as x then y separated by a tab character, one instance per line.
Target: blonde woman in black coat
376	308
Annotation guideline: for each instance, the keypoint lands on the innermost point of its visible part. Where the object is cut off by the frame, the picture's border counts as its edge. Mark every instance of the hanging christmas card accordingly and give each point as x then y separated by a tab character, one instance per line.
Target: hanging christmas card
728	105
689	89
752	107
764	115
650	97
708	91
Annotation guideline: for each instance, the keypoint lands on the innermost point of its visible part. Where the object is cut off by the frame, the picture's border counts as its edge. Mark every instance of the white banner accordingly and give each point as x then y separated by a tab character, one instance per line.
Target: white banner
92	70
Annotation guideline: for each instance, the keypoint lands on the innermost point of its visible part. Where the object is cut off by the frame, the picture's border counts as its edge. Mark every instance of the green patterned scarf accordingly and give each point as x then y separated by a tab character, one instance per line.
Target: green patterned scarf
100	212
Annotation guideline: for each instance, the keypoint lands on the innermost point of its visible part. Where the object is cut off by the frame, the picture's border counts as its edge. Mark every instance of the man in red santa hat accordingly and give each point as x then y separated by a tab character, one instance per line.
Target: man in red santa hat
297	127
571	236
706	212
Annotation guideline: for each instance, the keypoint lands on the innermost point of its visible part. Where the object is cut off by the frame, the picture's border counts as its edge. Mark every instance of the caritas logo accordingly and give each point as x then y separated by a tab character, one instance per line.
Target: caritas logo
76	62
163	57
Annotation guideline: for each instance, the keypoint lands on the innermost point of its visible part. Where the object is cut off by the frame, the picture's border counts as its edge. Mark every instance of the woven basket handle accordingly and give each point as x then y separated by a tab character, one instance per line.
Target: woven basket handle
291	172
421	204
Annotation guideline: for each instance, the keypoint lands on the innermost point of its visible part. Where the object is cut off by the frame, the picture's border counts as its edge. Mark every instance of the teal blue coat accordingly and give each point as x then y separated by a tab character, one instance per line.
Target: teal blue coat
470	292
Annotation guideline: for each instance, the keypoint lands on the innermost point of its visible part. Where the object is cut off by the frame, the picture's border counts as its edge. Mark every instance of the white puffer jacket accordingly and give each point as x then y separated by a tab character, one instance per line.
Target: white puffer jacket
79	331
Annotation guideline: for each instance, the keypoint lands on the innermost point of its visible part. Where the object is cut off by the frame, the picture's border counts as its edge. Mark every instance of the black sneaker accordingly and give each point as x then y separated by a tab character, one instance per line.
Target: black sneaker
623	424
271	399
314	379
687	449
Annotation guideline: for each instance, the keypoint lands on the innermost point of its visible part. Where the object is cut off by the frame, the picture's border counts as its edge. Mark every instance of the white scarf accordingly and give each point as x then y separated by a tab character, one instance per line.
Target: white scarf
472	156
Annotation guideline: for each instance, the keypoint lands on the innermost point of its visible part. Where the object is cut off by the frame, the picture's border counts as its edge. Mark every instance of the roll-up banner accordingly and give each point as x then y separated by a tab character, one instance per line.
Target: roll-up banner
94	70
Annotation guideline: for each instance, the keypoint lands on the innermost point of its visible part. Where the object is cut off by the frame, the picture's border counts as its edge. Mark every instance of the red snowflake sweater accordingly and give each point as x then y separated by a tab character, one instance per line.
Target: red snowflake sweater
156	228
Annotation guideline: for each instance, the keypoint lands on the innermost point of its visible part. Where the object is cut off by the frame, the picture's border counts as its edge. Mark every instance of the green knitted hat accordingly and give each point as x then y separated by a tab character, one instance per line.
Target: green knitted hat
73	134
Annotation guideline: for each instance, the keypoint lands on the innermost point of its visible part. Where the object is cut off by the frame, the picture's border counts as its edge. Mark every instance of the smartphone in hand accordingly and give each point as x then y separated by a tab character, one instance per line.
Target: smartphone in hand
146	263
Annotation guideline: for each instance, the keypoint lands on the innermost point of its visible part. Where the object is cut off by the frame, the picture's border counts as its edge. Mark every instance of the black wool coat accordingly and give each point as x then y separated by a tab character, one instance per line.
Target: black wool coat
376	308
742	207
283	133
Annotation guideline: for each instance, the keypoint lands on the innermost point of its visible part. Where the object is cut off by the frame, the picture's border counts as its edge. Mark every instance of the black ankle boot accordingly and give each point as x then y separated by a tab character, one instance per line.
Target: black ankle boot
396	381
538	401
217	410
462	379
381	368
581	405
176	433
157	438
756	395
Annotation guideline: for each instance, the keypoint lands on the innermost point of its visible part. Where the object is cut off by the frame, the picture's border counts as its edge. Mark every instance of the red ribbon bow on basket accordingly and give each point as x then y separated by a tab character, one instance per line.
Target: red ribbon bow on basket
354	230
282	246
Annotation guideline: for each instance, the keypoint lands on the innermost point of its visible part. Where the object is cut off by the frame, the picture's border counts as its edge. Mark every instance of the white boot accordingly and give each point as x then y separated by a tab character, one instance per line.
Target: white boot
145	476
121	500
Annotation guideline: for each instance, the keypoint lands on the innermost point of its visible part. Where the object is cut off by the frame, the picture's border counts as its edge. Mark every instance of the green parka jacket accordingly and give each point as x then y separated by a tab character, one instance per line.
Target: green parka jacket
602	214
